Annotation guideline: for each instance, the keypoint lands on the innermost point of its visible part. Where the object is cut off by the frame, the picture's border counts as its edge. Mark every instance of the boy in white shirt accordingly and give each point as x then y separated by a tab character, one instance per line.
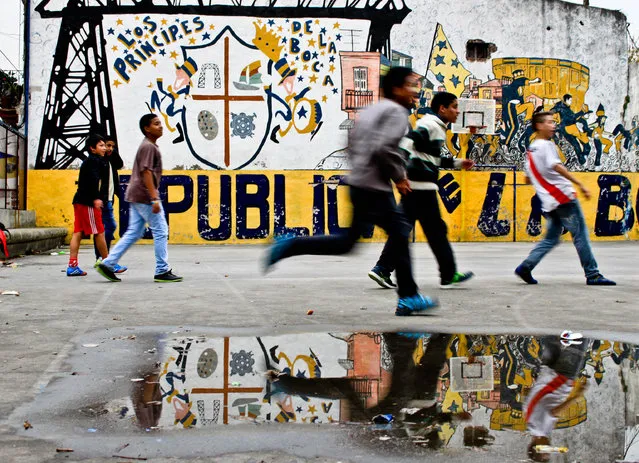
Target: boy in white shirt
553	184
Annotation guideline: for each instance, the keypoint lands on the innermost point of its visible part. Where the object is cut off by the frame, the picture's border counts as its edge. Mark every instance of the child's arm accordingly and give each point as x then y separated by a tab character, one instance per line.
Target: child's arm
561	170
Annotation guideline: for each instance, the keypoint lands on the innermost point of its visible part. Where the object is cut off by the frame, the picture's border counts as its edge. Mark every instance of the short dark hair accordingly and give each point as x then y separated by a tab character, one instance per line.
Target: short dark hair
145	121
567	96
93	140
538	118
395	78
109	138
444	99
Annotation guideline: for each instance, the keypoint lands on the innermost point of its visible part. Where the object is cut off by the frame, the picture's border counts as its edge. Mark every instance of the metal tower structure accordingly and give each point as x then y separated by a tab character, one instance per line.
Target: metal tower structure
79	99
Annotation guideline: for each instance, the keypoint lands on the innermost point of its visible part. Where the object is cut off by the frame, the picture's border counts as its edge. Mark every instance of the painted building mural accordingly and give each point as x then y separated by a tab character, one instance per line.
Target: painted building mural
205	382
244	87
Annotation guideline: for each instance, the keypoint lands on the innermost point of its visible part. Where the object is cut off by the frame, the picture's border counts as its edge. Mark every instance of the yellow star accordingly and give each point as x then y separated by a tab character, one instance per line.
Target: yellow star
164	22
119	22
322	53
313	79
137	18
259	21
336	26
331	68
154	62
211	27
311	409
317	21
192	41
116	83
280	28
146	36
174	55
114	48
311	43
306	67
324	99
150	85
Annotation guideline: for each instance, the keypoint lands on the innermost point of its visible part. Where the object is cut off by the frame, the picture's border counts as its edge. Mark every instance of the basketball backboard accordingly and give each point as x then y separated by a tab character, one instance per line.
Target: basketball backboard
477	114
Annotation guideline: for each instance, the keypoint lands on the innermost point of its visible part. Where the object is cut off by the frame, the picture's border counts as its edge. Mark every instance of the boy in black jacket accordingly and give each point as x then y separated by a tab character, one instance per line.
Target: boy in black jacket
108	192
87	205
424	149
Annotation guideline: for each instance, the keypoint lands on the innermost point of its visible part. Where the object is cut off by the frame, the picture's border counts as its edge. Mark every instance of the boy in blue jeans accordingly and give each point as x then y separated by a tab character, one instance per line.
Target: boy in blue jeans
553	184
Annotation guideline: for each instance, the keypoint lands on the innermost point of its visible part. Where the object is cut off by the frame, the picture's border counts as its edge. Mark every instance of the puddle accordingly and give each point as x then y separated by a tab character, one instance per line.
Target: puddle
355	396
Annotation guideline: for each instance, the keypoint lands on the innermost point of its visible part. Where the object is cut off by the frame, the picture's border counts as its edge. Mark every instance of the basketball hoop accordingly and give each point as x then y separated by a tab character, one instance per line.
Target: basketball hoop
475	128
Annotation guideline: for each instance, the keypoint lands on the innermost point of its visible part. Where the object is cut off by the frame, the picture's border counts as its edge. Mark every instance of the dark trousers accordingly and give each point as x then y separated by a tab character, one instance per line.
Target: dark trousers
423	206
108	219
369	208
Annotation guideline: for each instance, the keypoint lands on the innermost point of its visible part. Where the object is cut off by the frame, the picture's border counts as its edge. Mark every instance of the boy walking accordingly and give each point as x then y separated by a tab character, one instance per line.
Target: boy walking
87	205
424	149
144	206
553	184
375	160
109	190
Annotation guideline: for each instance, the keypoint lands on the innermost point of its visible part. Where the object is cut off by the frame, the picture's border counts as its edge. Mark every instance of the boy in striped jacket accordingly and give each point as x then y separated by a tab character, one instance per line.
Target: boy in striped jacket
559	204
423	148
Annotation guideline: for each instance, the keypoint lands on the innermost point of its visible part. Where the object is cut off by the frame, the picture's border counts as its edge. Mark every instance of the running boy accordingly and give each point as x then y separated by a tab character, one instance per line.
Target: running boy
553	184
424	149
144	206
376	160
87	205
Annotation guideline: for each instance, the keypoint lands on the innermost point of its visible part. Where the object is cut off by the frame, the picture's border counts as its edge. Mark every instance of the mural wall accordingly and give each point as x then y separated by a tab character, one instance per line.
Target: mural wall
243	87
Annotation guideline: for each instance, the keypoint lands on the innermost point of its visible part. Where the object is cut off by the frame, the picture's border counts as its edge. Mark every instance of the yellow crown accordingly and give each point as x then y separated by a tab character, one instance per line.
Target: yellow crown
267	42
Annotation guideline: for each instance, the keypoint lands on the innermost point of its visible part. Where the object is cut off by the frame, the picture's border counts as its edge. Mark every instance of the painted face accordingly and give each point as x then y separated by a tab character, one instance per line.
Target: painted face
99	149
110	146
154	129
450	113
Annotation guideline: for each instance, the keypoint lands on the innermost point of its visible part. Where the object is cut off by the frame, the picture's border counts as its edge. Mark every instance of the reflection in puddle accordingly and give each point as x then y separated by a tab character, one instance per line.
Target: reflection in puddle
435	390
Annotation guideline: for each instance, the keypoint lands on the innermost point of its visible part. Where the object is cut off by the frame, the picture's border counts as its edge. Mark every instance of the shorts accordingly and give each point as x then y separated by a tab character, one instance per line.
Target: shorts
88	220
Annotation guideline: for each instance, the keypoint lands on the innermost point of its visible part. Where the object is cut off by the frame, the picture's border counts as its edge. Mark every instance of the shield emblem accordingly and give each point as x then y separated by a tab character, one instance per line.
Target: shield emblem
228	117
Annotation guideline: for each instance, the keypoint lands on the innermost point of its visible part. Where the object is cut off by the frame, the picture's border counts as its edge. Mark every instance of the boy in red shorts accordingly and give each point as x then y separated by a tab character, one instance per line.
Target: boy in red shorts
87	205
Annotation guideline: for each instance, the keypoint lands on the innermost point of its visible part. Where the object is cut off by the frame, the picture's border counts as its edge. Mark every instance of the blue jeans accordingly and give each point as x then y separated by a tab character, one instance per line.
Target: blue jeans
569	216
108	219
139	215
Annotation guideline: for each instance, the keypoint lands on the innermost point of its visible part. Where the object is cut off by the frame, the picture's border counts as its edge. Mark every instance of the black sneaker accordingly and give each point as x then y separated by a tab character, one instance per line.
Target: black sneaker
106	272
167	277
381	277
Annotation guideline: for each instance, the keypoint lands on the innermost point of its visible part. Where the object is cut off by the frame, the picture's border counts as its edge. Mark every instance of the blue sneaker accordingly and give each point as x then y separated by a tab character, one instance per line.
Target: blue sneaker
276	251
599	280
414	304
525	275
75	272
117	268
381	277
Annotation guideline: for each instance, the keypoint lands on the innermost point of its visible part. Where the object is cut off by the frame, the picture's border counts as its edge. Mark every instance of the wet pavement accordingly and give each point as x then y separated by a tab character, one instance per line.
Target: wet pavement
228	366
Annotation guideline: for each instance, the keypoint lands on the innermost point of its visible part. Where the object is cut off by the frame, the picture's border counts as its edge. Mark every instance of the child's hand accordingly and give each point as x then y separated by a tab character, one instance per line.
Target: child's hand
585	191
403	186
97	203
467	164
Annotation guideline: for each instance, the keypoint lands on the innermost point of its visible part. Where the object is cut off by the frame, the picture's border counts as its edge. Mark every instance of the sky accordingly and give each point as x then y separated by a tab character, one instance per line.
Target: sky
11	26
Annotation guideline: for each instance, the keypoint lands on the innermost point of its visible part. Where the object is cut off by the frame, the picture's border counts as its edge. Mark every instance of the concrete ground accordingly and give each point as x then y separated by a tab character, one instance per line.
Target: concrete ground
224	291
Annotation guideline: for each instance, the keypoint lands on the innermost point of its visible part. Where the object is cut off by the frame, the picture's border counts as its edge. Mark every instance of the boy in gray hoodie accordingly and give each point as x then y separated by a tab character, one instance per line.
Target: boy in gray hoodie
376	160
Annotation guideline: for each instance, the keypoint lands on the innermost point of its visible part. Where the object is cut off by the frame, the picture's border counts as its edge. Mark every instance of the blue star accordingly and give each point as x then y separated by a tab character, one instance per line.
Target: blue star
323	30
300	79
111	31
271	22
439	77
455	63
284	40
302	113
285	55
128	32
206	36
301	35
338	37
335	91
322	65
331	59
162	52
177	20
301	374
288	20
297	58
442	45
315	55
455	80
146	28
299	409
453	407
140	41
439	59
180	36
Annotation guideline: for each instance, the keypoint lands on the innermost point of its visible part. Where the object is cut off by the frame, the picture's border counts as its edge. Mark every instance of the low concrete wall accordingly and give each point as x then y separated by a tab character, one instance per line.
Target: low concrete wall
34	240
